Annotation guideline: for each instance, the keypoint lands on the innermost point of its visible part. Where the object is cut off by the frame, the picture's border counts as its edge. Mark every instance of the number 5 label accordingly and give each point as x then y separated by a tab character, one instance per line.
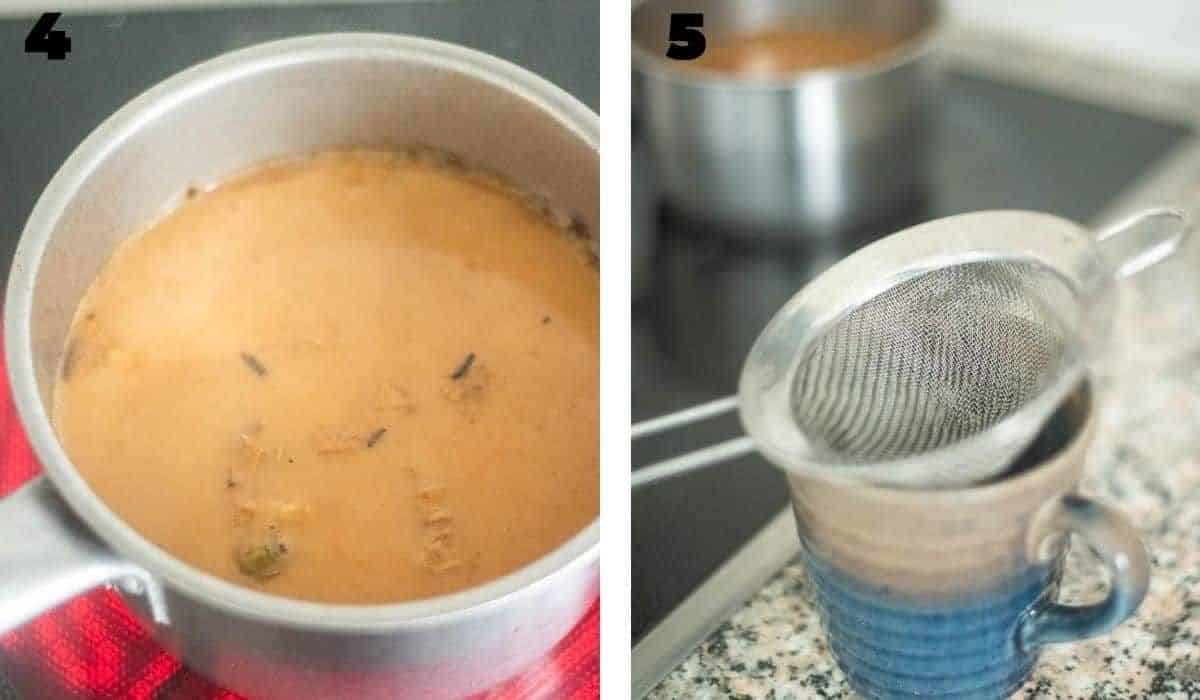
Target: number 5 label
686	40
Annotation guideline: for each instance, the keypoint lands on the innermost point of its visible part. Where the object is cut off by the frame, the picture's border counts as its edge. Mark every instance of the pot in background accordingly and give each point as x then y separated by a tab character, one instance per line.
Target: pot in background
808	155
216	119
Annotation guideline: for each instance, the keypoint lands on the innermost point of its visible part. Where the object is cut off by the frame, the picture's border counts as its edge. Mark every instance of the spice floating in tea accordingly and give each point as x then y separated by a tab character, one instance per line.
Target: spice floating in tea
578	229
261	557
545	320
68	362
254	364
375	437
464	367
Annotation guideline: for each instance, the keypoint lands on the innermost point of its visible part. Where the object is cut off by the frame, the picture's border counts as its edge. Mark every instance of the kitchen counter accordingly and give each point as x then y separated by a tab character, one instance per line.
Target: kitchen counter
1145	460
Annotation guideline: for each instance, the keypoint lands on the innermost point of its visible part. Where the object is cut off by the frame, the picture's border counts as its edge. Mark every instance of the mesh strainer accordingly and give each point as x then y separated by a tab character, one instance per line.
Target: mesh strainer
932	357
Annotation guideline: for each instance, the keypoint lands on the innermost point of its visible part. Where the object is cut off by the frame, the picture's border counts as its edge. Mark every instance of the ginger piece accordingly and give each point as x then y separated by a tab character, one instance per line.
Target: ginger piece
439	557
393	397
431	493
329	442
273	509
249	458
436	515
438	527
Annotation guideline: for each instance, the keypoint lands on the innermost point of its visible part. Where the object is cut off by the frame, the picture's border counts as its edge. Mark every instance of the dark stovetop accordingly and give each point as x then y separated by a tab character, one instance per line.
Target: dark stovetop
704	297
50	106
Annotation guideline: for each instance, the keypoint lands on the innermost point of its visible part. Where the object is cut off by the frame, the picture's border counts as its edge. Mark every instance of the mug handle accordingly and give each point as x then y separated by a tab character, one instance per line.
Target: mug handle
48	556
1120	548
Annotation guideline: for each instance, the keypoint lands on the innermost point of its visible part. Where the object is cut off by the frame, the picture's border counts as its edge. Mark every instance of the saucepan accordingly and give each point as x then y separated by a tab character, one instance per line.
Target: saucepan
815	154
58	539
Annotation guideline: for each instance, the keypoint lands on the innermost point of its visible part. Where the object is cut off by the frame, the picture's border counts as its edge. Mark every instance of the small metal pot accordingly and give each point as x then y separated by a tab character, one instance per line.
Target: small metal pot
814	154
57	538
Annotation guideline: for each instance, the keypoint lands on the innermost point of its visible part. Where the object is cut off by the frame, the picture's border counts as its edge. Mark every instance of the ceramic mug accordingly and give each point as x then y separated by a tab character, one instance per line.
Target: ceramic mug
952	593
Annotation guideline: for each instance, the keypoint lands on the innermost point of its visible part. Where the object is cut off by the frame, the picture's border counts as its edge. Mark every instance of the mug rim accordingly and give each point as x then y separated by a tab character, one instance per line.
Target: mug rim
1071	454
579	551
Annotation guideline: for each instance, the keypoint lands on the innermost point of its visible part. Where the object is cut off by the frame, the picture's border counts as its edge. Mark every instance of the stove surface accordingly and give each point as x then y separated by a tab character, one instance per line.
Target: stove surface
50	106
701	297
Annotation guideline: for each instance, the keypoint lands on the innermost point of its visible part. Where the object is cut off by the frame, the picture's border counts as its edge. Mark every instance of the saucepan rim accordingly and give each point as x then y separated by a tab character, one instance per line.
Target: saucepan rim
579	552
911	50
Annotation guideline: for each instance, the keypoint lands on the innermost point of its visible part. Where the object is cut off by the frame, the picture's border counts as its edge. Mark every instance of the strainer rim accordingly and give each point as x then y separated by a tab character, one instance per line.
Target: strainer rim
1058	245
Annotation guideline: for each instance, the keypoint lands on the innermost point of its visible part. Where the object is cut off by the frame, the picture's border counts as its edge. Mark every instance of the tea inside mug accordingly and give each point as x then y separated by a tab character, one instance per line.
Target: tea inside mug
355	377
1056	434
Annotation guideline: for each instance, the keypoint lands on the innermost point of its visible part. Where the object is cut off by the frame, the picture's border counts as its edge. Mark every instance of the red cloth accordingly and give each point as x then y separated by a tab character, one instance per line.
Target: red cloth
92	647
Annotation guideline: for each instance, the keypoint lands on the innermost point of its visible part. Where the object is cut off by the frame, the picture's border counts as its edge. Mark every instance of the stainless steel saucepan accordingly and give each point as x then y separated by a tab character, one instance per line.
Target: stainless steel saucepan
813	154
58	539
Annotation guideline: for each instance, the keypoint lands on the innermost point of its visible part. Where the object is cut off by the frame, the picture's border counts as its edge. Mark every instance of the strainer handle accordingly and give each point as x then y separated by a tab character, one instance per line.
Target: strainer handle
691	461
1116	542
1143	240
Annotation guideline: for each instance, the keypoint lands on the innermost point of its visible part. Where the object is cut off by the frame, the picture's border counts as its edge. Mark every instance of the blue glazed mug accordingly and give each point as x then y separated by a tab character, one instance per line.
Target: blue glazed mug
951	594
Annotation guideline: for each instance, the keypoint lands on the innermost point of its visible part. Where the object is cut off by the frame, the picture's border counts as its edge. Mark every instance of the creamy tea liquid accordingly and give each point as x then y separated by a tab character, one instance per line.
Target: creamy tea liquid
780	52
360	377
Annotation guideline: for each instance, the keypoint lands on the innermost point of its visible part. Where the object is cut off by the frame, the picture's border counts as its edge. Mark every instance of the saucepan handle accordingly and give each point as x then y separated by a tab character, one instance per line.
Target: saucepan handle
1143	240
1117	543
48	556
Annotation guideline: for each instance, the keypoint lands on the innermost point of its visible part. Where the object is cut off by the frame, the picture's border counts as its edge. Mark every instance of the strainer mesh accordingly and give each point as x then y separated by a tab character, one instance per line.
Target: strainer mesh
934	359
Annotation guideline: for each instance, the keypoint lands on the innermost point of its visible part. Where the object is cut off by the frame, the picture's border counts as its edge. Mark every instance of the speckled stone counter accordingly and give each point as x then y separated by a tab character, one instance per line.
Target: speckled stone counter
1145	460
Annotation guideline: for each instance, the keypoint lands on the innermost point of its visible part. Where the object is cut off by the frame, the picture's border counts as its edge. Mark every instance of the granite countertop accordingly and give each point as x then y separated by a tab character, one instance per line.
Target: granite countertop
1145	460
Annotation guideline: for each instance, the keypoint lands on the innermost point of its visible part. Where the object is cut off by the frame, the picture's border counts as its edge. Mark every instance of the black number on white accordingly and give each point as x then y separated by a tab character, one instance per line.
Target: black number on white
687	41
43	38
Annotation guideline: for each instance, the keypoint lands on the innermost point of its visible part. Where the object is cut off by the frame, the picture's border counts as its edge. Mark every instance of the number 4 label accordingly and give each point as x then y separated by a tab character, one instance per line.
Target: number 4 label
43	38
687	41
